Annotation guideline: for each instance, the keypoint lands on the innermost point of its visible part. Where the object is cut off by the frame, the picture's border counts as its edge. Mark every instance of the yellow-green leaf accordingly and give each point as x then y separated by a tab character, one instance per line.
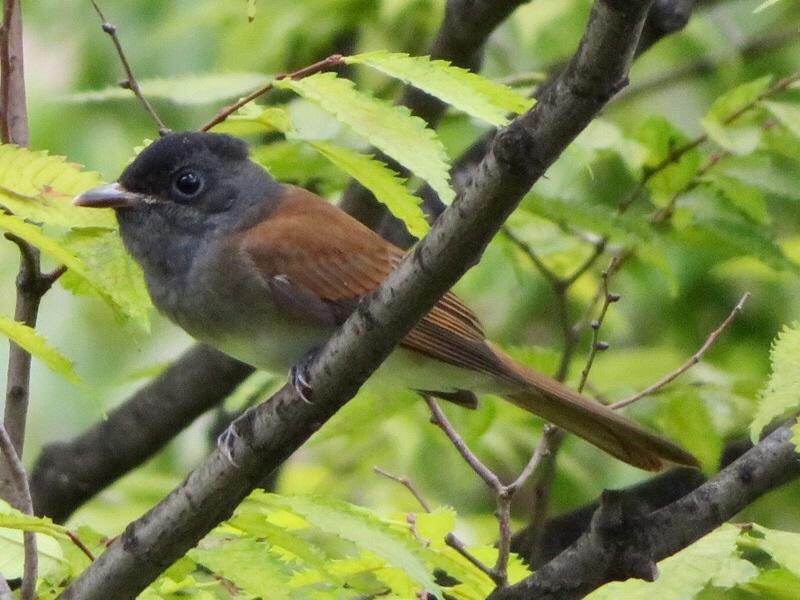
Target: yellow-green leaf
466	91
30	340
782	392
392	129
11	518
379	179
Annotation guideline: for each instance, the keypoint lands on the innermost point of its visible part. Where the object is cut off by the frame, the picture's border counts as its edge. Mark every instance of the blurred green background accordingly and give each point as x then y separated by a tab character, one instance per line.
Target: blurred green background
664	316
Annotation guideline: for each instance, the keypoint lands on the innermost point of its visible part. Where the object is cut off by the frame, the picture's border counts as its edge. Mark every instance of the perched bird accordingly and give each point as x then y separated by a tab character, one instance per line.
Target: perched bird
265	272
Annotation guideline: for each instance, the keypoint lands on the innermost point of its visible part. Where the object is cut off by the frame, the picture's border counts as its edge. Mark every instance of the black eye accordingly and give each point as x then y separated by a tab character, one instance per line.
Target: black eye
188	183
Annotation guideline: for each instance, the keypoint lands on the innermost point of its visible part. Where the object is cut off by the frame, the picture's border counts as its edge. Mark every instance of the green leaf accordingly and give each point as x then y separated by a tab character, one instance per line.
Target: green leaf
712	559
391	129
661	139
385	184
11	518
114	275
684	417
788	114
739	136
362	528
747	198
40	188
50	246
782	392
584	215
774	584
782	546
184	90
249	564
30	340
466	91
251	10
772	174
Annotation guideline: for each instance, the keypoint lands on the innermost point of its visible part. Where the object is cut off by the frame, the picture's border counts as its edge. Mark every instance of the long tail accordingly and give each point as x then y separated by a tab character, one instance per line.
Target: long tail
599	425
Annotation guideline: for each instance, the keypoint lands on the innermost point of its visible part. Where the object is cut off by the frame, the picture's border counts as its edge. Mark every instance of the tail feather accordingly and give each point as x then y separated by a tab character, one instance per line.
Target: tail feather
599	425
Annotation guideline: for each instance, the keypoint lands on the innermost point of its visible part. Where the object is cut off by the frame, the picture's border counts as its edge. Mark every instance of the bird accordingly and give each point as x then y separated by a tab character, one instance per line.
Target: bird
266	271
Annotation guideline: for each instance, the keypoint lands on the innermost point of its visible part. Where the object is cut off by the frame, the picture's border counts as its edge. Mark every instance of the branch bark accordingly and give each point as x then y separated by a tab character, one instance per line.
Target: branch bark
618	547
66	474
267	434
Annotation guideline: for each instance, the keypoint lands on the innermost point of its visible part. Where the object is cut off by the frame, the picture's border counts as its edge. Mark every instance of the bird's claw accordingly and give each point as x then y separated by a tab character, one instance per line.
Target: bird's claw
298	376
226	441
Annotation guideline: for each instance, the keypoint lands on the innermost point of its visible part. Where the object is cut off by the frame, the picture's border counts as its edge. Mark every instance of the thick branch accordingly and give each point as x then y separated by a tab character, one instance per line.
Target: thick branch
606	554
69	473
267	434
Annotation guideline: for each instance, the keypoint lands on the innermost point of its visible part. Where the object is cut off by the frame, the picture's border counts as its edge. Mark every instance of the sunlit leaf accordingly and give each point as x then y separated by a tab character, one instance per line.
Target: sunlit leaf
739	136
391	129
782	392
787	113
466	91
388	188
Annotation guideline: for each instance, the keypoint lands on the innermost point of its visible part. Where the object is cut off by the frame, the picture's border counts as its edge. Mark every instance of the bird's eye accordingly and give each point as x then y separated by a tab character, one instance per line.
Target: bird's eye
188	183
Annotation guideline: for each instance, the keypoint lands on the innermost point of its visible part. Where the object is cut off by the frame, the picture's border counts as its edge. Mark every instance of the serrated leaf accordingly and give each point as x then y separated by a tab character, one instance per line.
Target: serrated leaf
787	113
30	340
782	392
11	518
184	90
40	188
739	136
775	584
686	573
115	277
48	245
249	564
391	129
782	546
385	184
363	529
466	91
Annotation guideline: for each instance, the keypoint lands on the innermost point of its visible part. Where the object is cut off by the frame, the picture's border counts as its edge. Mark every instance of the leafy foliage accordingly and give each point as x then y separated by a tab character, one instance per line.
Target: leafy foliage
781	393
391	129
27	338
475	95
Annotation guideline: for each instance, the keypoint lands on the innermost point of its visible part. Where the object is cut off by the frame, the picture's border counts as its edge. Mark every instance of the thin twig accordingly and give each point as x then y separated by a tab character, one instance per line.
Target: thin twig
130	82
450	539
81	546
473	461
597	345
406	483
695	358
21	500
333	60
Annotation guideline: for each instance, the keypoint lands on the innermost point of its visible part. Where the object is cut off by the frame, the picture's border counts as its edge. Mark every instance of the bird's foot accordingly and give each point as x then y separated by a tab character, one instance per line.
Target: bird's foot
299	376
226	441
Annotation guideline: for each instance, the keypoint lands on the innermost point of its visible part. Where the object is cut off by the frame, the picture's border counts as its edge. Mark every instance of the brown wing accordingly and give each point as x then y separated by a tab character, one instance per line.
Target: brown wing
319	262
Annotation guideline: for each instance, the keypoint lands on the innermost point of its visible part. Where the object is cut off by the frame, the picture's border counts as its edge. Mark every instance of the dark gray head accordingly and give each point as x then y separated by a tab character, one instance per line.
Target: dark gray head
182	191
190	182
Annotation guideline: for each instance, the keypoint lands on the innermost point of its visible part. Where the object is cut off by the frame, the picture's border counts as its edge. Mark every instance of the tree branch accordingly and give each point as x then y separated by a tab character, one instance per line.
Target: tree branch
130	81
267	434
612	550
67	474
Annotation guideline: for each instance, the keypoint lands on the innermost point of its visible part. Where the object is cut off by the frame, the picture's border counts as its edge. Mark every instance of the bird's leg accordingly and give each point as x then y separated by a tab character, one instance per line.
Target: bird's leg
226	441
299	376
